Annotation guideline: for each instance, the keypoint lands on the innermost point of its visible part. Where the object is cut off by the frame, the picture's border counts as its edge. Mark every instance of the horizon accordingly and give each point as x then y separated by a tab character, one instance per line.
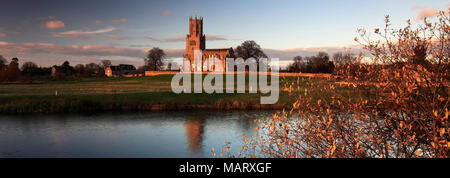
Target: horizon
90	31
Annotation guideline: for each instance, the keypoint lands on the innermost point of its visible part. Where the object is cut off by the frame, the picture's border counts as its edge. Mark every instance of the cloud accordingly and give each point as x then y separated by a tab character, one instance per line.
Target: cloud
76	50
49	54
140	46
183	39
174	53
425	12
120	21
113	37
215	38
152	39
166	13
98	22
2	34
54	24
83	34
2	43
175	39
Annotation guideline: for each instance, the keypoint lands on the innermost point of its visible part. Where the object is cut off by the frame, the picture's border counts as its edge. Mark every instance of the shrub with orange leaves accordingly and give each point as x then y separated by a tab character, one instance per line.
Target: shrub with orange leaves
396	106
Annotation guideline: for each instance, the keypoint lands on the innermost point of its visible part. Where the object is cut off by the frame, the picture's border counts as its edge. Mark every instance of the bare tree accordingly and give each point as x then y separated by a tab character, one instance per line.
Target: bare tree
3	61
106	63
80	70
296	65
344	57
13	71
250	49
154	60
29	67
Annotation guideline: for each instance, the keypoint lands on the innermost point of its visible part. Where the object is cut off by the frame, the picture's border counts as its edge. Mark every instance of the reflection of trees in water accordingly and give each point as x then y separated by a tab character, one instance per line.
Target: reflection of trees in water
246	121
194	132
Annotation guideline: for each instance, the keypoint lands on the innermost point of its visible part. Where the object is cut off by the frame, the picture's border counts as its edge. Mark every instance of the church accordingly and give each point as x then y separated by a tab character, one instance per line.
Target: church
196	40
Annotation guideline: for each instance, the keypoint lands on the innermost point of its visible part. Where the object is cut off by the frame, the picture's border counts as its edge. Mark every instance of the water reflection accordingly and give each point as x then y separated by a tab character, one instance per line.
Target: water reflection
194	133
173	135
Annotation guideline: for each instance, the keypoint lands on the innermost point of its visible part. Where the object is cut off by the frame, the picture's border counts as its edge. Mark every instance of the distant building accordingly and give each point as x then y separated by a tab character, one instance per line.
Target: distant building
54	71
120	70
57	71
195	40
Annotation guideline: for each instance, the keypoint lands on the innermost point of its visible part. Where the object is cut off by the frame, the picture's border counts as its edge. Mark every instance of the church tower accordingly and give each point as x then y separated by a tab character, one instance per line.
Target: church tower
210	58
195	40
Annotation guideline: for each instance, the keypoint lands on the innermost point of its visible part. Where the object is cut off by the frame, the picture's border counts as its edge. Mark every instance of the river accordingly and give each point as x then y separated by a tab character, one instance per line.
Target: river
151	135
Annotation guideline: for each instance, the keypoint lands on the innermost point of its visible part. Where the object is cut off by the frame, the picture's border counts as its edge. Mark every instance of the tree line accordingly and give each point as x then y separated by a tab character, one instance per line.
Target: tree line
321	62
154	61
12	72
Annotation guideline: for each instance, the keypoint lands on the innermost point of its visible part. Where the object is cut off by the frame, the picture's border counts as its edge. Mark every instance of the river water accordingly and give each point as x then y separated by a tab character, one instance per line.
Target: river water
151	135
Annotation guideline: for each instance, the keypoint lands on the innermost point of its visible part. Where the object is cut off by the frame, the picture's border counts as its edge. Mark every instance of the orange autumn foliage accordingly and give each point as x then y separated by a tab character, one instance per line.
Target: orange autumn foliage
395	106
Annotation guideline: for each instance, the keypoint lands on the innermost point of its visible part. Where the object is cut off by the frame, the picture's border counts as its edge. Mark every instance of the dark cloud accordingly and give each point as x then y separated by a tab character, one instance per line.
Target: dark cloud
152	38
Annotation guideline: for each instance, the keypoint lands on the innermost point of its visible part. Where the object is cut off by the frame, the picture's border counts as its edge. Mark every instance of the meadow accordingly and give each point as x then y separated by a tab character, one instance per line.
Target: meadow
154	93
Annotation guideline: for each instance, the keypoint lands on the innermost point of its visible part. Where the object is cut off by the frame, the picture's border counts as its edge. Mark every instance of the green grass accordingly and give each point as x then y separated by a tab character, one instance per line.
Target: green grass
121	94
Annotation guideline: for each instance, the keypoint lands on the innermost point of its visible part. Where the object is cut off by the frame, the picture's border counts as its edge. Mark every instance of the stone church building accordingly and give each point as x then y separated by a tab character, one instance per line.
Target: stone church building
195	40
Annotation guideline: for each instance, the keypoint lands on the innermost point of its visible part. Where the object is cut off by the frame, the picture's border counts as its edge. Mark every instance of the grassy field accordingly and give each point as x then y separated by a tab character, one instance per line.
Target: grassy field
124	94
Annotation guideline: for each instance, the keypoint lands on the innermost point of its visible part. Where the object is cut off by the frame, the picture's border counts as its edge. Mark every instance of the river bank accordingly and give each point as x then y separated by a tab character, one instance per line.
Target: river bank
137	102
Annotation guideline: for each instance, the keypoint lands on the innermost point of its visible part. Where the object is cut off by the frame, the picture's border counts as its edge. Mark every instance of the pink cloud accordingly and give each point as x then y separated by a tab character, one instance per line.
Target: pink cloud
208	37
120	21
54	24
2	43
113	37
83	34
2	35
167	13
48	54
76	50
425	12
98	22
182	38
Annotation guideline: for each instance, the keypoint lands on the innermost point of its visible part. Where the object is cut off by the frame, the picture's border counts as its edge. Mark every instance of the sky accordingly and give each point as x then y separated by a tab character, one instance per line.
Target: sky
49	32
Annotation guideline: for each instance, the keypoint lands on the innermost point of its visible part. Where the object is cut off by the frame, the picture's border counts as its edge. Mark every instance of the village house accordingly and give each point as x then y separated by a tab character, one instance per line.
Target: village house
120	70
